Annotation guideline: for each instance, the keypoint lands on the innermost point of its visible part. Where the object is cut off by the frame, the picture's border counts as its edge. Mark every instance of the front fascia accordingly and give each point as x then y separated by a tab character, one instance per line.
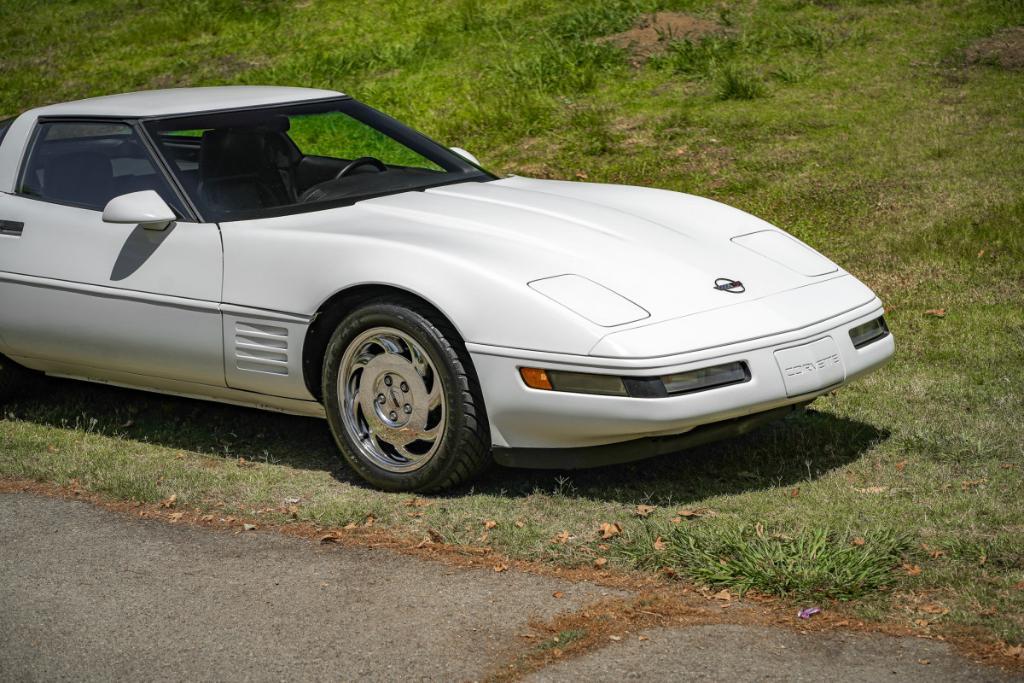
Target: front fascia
525	418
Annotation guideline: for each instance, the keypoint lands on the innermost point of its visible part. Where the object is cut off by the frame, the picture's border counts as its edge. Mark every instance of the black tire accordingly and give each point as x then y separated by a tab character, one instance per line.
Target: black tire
12	378
464	447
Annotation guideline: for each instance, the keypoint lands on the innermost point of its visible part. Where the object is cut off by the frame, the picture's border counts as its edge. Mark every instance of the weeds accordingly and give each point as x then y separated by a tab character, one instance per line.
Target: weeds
734	83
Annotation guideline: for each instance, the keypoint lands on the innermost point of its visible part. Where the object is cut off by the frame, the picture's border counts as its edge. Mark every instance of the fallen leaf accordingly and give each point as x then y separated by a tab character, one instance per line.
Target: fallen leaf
901	465
206	518
332	537
1015	651
723	594
871	489
370	519
242	462
170	501
424	543
857	541
175	516
558	595
435	536
249	527
912	569
581	175
417	503
293	510
600	562
615	638
643	510
759	530
795	492
501	567
968	484
677	520
659	544
603	546
934	608
490	524
923	623
936	312
642	638
923	662
561	538
609	530
350	526
520	524
697	512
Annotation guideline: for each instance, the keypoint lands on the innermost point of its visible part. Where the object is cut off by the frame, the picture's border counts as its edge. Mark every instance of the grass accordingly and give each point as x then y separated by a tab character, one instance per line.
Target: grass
869	137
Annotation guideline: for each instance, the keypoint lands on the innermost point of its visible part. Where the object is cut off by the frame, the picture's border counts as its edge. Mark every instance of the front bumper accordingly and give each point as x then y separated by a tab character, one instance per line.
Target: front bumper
525	418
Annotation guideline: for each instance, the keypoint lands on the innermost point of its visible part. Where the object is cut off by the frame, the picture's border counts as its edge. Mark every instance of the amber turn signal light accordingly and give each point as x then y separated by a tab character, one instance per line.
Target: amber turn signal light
536	378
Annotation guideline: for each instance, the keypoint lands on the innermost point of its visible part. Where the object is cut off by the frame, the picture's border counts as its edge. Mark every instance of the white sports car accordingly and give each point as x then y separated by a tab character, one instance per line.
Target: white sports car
296	250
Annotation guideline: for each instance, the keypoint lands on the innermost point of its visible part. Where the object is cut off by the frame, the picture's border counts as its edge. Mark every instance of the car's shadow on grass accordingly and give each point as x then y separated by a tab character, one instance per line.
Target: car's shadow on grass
800	448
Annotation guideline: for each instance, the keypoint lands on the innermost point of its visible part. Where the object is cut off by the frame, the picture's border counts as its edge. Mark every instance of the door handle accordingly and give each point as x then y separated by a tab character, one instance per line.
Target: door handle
11	228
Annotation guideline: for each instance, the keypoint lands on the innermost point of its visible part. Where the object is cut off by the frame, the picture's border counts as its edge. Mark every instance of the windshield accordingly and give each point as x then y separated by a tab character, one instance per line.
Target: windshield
268	162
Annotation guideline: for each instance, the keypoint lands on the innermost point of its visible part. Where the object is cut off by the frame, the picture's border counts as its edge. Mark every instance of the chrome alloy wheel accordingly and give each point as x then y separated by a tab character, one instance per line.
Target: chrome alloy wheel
393	405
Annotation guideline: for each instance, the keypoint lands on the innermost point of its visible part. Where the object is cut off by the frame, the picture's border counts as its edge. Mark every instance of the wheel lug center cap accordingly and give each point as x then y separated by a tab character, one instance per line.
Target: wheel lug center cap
394	402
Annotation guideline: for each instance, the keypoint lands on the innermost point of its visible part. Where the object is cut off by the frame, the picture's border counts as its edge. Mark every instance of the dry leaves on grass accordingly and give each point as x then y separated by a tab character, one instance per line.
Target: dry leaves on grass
912	569
249	527
490	524
643	510
857	541
936	312
934	608
871	489
659	544
520	524
501	567
561	538
609	530
418	503
693	513
170	501
600	562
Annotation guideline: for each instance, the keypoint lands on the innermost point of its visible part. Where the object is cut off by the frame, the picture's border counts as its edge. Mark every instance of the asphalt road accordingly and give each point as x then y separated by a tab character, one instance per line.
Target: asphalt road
87	594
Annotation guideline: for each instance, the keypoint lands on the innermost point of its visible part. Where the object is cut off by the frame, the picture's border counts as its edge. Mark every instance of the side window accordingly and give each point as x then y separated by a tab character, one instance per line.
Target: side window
88	163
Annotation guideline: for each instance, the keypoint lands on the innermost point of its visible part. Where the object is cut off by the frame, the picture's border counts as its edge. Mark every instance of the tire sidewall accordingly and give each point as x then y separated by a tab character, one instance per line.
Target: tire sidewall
442	354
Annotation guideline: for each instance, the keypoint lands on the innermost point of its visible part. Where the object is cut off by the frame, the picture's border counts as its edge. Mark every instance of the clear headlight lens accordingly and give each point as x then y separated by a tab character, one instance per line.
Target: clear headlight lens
862	335
706	378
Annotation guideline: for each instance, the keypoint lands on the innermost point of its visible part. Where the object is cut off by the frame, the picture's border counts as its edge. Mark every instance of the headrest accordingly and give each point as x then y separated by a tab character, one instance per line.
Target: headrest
232	152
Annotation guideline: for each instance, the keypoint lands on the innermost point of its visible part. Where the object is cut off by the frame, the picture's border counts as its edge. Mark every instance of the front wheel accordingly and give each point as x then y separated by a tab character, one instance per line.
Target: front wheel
401	399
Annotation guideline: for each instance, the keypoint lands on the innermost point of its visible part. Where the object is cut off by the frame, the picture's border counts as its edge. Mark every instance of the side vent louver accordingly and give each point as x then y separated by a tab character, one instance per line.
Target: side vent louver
261	348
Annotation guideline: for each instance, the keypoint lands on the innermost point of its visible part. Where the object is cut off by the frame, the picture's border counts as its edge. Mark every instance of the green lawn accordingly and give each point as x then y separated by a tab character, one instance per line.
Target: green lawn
861	127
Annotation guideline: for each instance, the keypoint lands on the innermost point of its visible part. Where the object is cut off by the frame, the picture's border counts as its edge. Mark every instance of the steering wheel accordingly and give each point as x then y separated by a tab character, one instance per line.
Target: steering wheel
361	161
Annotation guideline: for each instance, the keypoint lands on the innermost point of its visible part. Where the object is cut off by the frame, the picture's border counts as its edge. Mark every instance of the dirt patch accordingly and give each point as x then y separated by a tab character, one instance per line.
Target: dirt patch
653	33
1003	48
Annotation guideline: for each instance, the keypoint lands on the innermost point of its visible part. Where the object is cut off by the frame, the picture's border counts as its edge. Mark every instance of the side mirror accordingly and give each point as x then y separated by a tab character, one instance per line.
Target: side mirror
466	155
144	208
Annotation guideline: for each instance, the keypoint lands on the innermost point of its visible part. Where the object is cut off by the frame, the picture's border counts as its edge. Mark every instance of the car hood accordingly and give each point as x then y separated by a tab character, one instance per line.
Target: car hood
663	251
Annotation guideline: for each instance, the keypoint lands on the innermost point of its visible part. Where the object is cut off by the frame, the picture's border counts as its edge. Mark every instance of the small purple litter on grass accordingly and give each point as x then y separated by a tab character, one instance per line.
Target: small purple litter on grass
808	612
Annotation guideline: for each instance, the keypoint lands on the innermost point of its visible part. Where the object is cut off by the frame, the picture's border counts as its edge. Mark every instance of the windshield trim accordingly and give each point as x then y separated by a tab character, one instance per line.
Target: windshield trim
152	127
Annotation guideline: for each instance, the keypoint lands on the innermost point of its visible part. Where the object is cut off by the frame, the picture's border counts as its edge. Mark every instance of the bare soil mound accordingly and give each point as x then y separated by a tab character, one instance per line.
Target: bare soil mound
653	32
1004	48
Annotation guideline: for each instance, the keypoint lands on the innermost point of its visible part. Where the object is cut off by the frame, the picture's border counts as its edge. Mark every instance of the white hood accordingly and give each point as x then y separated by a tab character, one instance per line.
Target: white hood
662	251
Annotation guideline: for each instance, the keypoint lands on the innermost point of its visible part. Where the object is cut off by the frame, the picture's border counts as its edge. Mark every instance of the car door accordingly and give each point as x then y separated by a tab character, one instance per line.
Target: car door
79	296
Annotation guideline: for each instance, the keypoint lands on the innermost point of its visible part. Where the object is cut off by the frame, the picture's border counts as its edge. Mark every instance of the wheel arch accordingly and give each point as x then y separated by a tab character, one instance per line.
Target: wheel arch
341	303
